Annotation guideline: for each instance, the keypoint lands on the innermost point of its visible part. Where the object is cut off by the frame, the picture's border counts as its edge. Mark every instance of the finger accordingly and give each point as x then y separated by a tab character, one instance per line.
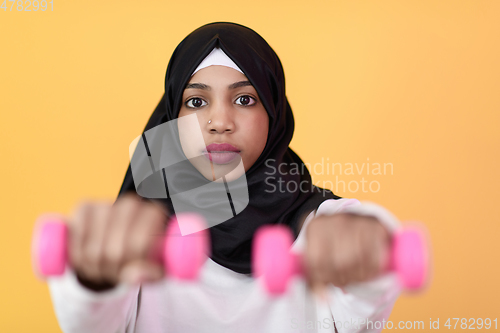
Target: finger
339	276
383	244
123	212
371	256
373	237
94	236
317	254
327	269
362	253
342	255
144	232
314	280
78	229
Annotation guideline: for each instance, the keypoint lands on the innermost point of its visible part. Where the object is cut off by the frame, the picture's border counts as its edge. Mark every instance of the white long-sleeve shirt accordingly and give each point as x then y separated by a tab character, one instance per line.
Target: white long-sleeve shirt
225	301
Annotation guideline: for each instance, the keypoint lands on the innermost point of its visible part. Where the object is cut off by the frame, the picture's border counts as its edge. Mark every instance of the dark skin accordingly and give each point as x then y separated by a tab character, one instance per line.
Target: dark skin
344	248
114	243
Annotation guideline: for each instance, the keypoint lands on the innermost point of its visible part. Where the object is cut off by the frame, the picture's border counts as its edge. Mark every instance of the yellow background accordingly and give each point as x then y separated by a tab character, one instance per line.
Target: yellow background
412	83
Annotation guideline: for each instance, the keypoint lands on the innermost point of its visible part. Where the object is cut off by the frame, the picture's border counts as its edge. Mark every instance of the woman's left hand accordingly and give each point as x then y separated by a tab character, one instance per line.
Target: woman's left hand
344	248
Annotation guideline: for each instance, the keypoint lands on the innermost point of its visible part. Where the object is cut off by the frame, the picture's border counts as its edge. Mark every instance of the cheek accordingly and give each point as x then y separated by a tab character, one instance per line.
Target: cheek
191	138
256	130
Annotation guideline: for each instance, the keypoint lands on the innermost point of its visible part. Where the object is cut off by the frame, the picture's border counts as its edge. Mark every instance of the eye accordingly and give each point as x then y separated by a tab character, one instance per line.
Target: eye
245	100
195	103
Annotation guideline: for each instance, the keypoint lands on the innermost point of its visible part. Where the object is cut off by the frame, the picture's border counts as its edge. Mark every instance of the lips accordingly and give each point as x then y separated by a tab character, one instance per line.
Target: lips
221	153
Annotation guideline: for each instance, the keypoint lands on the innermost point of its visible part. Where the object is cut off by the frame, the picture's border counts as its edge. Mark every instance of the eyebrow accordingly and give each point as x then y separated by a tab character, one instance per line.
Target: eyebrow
203	86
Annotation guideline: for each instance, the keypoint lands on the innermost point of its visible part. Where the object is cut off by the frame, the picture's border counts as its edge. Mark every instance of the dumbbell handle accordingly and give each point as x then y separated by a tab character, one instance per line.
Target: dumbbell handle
182	256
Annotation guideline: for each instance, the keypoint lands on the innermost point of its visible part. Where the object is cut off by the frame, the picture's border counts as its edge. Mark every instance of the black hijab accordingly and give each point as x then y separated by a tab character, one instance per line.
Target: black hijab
231	240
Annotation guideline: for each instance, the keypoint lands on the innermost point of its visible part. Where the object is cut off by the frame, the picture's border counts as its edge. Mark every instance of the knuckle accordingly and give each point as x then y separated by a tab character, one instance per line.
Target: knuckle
132	198
315	226
83	205
112	256
141	244
127	200
343	218
91	257
81	213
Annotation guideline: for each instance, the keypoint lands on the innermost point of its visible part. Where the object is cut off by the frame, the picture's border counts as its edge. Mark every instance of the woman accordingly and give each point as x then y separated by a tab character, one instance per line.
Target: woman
226	78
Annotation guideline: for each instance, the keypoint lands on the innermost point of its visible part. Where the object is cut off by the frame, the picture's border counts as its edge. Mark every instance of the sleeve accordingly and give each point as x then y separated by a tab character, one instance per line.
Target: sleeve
81	310
361	307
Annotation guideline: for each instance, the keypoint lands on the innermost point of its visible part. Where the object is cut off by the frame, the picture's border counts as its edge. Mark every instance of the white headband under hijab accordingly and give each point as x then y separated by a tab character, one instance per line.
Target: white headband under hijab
217	57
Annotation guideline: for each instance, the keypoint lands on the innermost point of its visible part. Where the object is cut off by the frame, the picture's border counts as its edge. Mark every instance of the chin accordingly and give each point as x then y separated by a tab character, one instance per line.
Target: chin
230	171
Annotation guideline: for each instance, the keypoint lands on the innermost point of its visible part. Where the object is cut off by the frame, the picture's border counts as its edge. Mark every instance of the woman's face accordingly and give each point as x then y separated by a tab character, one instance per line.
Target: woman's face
238	125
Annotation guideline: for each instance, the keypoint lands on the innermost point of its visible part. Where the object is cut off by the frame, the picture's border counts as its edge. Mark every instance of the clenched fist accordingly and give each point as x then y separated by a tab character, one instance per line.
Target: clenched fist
112	243
345	248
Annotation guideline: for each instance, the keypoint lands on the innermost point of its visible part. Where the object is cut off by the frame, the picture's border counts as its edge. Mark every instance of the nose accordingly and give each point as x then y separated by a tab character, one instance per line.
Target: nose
221	120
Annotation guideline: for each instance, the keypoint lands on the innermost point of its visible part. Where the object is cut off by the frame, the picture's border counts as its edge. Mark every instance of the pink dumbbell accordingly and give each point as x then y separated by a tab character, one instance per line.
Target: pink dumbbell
182	256
272	259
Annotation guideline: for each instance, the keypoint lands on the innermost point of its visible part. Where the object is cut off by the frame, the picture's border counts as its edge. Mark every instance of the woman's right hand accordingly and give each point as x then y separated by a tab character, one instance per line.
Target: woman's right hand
119	242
